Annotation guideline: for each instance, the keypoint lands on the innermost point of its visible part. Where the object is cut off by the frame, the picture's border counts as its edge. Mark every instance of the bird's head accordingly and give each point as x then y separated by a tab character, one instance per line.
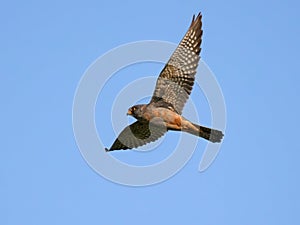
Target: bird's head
136	111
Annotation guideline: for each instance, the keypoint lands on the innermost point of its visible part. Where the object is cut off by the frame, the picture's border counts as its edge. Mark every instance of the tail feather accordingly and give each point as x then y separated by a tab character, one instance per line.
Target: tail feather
208	133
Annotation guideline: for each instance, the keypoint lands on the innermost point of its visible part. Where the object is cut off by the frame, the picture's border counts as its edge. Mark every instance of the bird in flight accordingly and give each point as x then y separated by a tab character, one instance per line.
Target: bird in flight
172	90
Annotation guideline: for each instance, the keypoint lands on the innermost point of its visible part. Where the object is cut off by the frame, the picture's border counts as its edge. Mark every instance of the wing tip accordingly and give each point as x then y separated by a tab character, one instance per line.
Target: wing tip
113	148
196	25
196	19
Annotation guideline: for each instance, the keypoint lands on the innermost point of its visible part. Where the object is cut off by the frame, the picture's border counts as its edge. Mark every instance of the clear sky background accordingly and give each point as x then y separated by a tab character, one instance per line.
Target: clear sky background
253	49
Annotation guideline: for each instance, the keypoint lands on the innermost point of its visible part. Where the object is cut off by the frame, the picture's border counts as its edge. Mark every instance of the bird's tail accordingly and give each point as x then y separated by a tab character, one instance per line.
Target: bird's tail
206	133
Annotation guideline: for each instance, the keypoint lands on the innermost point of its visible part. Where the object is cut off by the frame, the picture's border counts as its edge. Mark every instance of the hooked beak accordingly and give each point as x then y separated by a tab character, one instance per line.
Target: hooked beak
129	112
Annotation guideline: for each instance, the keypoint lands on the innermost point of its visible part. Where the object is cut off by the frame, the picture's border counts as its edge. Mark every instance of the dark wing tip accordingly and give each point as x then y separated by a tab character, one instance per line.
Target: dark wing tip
196	19
113	148
193	19
197	27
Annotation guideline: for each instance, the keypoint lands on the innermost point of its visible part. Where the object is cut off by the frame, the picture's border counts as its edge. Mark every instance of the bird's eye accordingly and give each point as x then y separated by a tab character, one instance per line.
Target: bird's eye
133	108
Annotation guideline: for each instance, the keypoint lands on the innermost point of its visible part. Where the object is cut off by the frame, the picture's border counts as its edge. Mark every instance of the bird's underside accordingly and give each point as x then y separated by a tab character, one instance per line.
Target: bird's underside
172	90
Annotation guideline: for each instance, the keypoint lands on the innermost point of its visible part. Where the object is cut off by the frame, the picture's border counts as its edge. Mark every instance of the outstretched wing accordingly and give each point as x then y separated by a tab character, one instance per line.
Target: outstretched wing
137	134
176	80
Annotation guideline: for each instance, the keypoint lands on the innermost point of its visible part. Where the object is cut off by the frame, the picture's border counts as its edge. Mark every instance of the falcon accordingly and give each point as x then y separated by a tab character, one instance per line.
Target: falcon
172	90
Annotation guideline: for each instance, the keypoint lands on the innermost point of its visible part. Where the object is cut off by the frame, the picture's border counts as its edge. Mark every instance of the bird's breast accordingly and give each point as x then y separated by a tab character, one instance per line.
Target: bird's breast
164	114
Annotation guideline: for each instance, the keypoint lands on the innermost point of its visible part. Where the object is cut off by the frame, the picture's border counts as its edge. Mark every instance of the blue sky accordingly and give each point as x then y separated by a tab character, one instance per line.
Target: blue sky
253	49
